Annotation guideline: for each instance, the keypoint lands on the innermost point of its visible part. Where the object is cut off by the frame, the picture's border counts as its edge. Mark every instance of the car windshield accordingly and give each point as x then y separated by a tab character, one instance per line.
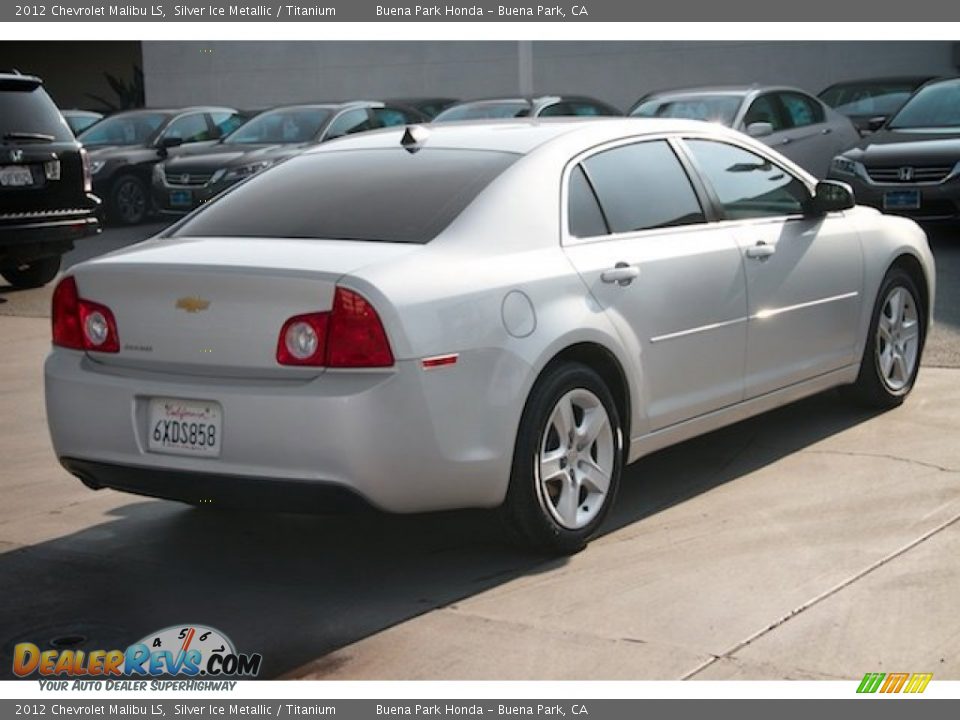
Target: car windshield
292	125
387	194
485	111
934	106
868	98
133	129
711	108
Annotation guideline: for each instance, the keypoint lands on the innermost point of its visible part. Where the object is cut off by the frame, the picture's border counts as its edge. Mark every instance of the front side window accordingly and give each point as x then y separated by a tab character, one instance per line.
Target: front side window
485	111
226	122
642	187
748	185
391	117
189	128
352	121
764	110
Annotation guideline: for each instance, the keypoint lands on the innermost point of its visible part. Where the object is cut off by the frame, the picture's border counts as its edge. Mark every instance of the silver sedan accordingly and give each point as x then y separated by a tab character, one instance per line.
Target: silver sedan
789	120
496	315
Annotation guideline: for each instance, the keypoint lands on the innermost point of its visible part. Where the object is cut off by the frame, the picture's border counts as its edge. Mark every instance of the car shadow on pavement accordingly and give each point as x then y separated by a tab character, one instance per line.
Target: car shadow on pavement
297	587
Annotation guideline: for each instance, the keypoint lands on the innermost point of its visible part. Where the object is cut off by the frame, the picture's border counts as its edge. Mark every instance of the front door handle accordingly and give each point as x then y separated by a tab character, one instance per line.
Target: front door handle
623	274
761	251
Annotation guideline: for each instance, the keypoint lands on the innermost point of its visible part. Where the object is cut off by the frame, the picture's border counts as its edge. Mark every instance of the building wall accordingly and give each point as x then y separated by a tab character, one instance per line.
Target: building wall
73	71
255	74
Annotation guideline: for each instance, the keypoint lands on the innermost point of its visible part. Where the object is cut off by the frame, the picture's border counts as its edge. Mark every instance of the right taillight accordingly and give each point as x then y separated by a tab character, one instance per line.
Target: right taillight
87	172
350	335
81	324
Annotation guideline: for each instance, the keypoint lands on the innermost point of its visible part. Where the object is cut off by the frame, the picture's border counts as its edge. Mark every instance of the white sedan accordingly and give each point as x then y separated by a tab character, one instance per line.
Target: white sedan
496	315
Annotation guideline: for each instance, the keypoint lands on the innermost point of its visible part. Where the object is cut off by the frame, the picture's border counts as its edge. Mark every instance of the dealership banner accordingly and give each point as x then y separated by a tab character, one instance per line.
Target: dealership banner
324	11
501	710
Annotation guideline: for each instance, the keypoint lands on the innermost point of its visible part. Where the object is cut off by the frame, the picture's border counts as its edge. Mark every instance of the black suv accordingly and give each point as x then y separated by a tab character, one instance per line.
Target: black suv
45	188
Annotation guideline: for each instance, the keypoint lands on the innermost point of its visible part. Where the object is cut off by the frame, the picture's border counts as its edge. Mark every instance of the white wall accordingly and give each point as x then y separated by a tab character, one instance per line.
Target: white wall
255	74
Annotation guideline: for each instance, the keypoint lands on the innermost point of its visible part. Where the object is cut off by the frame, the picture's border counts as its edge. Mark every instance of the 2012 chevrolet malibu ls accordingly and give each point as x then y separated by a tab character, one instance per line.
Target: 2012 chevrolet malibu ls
478	315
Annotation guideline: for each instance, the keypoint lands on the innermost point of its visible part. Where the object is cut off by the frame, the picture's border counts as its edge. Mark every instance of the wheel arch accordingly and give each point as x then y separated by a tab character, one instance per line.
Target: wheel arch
910	264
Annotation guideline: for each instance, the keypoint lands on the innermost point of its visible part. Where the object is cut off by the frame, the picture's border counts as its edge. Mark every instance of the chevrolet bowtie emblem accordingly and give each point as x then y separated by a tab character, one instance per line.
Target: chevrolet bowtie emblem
192	304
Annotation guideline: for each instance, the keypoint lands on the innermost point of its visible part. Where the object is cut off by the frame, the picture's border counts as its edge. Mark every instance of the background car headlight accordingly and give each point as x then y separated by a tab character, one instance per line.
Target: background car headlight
96	166
844	166
239	173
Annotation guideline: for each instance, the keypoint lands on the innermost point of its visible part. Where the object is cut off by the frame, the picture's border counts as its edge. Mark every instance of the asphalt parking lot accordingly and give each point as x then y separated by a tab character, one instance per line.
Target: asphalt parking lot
818	541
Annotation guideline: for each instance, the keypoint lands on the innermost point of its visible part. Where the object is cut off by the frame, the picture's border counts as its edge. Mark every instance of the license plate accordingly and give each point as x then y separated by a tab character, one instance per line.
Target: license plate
181	198
15	176
185	427
901	200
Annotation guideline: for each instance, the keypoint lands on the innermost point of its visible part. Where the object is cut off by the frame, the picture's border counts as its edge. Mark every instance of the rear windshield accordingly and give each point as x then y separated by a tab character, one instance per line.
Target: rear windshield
26	110
386	194
485	111
711	108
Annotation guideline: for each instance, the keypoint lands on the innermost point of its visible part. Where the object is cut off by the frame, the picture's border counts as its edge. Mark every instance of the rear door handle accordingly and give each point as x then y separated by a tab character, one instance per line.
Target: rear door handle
761	251
827	131
623	274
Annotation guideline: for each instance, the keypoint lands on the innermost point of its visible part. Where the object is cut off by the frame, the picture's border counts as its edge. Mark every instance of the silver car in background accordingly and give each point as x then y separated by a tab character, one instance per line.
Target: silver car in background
794	123
496	315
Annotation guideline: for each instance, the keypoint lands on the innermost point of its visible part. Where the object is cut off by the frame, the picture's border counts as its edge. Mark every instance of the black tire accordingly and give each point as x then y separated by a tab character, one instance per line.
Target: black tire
32	275
871	388
525	510
129	201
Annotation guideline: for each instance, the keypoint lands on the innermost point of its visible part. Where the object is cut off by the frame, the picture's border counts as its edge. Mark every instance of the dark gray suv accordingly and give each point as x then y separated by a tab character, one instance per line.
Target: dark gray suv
45	188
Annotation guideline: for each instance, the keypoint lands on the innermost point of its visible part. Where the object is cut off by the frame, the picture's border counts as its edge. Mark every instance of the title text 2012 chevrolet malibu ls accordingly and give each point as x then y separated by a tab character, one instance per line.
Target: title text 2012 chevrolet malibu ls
490	315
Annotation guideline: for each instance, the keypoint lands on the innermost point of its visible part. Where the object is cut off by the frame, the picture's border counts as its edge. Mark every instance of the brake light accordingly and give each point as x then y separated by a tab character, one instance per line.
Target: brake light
81	324
348	336
87	171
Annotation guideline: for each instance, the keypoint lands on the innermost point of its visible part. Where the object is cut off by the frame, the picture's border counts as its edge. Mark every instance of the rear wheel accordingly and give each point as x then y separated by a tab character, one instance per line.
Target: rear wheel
129	201
567	461
33	274
891	358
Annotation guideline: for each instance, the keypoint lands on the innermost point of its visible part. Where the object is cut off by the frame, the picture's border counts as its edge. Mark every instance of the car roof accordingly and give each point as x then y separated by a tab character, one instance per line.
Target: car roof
919	79
519	136
171	111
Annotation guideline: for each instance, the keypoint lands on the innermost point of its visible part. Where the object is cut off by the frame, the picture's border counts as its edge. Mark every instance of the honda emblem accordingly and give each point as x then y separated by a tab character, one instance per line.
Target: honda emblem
905	174
16	156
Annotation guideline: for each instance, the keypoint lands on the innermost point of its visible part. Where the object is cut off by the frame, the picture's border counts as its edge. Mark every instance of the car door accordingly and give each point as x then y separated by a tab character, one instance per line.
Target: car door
804	274
672	283
809	135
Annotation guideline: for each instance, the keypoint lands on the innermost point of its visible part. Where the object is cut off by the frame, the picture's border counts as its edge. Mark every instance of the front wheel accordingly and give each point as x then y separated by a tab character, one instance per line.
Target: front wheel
567	461
891	357
129	201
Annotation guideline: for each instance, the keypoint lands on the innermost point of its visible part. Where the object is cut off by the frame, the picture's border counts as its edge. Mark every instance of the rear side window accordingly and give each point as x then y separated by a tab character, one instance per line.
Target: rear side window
386	194
801	110
26	110
643	186
584	214
747	185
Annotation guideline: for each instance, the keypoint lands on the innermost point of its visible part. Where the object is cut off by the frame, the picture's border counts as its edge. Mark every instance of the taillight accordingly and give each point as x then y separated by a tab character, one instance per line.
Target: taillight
348	336
303	340
87	172
81	324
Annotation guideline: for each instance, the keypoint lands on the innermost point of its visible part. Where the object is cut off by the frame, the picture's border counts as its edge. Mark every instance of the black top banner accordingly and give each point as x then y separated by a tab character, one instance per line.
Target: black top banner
329	11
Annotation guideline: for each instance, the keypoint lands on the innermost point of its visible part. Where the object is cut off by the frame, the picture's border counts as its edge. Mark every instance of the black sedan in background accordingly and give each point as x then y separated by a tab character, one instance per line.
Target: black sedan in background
182	183
124	148
517	107
868	103
911	166
429	107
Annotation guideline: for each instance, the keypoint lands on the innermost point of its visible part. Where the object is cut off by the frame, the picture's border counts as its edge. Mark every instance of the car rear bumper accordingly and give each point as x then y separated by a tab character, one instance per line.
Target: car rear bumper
399	439
48	225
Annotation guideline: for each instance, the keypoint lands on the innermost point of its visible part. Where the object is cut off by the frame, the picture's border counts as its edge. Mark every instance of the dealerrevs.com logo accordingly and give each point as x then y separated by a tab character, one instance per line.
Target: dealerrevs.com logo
182	650
894	682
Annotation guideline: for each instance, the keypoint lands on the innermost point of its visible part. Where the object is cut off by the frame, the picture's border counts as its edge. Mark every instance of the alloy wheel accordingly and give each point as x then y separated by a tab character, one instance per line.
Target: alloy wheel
898	339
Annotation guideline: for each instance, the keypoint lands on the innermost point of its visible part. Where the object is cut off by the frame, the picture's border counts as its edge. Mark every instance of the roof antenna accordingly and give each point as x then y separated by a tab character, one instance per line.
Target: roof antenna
414	137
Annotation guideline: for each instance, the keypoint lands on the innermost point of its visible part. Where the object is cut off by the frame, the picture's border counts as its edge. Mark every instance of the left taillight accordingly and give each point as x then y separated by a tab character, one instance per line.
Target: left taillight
82	324
87	172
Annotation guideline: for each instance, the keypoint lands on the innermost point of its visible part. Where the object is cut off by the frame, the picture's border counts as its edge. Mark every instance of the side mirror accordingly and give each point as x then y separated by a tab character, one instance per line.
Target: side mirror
830	196
166	143
875	123
759	129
